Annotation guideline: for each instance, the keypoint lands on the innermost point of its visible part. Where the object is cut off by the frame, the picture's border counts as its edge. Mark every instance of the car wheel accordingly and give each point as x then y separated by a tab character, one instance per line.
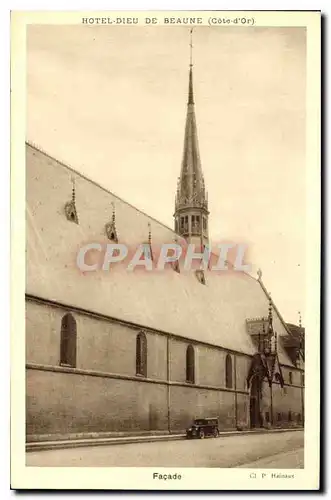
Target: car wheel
201	434
215	433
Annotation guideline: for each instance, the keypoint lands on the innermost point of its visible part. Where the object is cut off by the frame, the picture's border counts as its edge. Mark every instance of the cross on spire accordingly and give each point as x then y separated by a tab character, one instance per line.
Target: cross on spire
190	86
191	47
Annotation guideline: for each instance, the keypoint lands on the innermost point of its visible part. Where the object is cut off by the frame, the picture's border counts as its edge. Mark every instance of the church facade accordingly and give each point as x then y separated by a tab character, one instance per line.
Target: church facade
138	352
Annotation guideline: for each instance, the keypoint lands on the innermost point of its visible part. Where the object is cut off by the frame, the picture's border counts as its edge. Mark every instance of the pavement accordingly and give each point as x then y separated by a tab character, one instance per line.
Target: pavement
262	450
106	439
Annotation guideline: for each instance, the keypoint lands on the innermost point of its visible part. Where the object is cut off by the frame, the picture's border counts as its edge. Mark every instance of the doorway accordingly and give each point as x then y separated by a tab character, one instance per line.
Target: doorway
255	403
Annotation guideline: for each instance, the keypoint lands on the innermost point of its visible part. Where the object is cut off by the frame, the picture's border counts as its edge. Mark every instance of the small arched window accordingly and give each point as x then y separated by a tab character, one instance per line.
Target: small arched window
190	365
290	377
68	341
228	371
141	354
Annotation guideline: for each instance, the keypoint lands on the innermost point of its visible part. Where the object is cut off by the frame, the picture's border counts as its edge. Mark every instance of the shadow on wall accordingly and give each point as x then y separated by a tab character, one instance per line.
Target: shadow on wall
288	419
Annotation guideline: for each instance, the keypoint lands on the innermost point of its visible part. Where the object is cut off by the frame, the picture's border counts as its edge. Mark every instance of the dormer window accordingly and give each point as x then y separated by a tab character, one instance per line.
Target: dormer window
70	211
111	232
70	206
175	266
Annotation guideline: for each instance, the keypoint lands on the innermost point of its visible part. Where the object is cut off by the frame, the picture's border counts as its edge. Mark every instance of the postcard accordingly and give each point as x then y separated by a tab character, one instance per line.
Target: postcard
165	250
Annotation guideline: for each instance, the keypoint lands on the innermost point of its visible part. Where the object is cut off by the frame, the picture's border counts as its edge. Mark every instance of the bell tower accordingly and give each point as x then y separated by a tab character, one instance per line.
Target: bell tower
191	205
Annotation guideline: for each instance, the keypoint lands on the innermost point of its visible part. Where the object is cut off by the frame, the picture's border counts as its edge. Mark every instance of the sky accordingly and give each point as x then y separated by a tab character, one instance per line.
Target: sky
111	102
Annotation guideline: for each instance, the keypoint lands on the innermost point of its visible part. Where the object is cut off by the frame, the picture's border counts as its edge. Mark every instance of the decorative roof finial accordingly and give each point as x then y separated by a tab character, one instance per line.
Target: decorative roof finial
150	241
70	206
73	189
190	88
149	234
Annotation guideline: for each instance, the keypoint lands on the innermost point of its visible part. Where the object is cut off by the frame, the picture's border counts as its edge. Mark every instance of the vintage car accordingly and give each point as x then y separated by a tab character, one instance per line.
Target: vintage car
202	427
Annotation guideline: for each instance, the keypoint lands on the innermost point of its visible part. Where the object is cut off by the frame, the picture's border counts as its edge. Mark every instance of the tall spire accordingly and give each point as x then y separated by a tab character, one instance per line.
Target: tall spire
191	206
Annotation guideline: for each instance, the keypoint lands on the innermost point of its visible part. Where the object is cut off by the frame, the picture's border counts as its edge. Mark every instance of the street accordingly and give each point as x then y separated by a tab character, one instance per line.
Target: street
274	450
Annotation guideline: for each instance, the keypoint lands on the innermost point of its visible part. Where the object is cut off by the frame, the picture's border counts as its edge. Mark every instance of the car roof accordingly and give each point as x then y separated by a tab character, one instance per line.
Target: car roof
206	418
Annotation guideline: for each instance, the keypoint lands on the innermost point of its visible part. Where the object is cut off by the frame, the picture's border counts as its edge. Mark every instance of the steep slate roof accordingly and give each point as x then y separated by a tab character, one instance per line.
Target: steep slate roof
169	301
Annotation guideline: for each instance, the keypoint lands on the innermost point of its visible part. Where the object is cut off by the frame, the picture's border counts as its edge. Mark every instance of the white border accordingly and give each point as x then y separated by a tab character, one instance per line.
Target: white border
4	173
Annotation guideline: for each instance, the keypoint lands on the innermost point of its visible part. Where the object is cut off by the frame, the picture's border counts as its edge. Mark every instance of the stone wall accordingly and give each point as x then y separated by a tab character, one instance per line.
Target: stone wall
67	403
103	393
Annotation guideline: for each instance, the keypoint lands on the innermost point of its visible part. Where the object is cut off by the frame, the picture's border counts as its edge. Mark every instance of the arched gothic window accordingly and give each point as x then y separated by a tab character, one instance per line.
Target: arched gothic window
141	354
190	365
68	341
228	371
